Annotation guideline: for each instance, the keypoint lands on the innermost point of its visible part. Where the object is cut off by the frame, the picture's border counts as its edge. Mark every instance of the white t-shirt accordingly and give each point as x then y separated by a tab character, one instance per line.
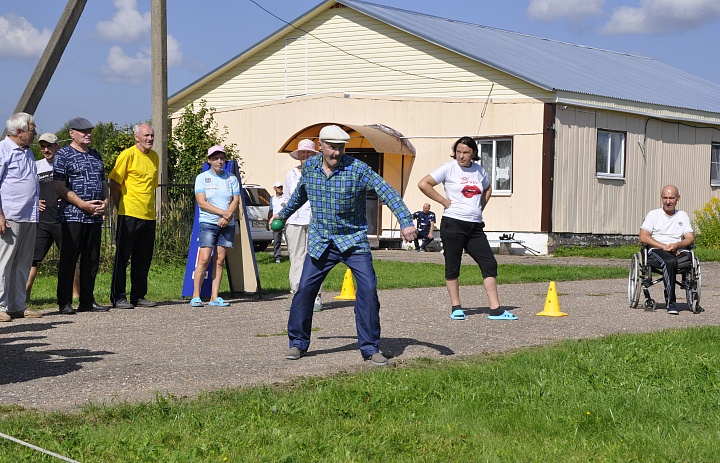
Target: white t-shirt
303	215
219	191
464	187
276	203
667	229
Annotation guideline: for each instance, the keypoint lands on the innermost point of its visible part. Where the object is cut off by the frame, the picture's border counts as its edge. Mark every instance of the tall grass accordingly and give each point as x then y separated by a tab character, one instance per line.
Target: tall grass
639	398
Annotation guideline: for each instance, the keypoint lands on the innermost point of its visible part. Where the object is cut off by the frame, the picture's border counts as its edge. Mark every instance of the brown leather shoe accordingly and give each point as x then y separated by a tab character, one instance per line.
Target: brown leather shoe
26	314
4	317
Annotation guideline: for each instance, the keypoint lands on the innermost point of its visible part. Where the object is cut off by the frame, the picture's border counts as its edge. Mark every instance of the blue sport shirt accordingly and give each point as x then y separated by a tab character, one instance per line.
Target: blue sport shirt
84	174
338	204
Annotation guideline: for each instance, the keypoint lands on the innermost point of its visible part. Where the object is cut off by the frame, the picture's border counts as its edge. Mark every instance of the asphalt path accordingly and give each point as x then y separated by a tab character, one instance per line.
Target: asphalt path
60	362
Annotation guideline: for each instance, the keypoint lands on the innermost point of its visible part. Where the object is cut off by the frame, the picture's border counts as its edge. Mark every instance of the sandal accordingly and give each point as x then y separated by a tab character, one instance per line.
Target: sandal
458	315
196	302
219	302
504	316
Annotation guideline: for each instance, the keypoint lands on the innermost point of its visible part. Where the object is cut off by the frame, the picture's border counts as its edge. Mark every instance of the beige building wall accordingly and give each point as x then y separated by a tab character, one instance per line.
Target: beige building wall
657	153
432	126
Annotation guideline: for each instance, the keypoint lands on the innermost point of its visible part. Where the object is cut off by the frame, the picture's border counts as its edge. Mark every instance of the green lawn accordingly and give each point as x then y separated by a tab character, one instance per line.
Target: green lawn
166	279
639	398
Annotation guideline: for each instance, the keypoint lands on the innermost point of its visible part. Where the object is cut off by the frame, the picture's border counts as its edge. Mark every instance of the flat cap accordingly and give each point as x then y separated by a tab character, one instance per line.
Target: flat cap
80	123
334	134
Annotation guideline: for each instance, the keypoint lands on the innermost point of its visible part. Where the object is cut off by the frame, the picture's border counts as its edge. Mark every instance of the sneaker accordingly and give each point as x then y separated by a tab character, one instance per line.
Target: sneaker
672	309
4	317
422	250
123	304
142	302
277	260
294	353
317	307
377	359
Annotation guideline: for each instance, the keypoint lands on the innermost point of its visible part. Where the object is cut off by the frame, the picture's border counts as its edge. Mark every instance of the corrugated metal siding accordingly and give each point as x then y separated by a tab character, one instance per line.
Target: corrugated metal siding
657	154
428	70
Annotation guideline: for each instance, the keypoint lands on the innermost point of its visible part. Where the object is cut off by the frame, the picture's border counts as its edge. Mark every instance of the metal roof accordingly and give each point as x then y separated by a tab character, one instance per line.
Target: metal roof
554	65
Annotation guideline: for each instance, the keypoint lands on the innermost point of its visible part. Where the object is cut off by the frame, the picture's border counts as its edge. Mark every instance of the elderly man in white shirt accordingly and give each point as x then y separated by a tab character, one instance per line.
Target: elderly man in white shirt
669	233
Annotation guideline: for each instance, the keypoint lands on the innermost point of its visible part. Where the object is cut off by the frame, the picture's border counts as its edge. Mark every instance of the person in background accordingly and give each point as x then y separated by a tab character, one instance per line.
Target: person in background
338	233
218	195
133	181
296	227
467	192
19	194
48	230
79	177
425	227
276	204
669	233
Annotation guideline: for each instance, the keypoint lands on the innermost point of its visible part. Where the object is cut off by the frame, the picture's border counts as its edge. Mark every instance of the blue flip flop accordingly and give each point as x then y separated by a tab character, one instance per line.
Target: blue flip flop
219	302
196	302
504	316
457	315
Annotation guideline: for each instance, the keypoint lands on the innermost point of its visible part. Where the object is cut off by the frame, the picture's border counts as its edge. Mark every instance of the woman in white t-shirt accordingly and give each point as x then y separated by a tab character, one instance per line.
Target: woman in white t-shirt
467	192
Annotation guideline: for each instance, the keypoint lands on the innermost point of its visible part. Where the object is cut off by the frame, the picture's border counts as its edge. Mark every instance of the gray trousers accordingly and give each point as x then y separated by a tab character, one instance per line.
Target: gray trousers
16	254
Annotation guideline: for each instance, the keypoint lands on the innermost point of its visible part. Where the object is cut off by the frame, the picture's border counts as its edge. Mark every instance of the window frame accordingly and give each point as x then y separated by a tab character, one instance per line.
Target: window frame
715	151
607	174
492	171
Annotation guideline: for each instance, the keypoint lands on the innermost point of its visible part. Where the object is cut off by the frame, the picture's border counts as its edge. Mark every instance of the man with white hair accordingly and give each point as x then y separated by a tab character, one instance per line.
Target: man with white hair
336	186
19	194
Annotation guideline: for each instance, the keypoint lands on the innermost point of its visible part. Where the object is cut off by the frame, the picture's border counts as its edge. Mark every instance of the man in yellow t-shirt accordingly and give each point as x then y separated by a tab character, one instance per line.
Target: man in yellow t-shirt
133	181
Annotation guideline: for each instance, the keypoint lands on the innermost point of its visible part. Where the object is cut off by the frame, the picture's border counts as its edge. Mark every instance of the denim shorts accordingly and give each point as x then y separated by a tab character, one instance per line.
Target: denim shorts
210	235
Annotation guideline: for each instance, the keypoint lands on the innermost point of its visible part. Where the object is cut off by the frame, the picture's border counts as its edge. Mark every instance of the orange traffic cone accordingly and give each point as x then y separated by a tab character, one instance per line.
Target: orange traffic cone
552	305
347	293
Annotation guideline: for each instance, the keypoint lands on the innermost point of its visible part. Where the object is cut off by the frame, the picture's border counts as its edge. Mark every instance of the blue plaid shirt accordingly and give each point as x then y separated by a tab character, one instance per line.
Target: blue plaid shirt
338	204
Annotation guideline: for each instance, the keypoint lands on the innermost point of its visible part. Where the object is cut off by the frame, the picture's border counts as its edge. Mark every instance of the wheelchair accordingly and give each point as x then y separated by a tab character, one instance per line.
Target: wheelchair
641	277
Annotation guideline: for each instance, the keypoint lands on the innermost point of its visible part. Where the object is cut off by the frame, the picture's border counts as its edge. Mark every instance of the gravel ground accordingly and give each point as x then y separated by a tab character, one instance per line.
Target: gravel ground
60	362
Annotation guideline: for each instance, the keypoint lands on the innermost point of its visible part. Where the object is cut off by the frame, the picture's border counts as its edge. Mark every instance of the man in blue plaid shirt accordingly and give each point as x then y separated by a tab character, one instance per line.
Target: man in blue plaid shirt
336	186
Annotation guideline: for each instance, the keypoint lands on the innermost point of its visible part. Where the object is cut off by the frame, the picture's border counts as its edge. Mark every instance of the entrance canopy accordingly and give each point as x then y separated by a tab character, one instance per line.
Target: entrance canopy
381	138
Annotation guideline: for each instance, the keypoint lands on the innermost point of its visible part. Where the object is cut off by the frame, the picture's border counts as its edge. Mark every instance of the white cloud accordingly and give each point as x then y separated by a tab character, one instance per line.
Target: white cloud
122	68
135	70
126	25
575	10
20	39
657	16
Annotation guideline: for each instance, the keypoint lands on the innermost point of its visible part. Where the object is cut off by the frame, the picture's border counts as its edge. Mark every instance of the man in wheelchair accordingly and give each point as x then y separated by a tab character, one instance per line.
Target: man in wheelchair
668	233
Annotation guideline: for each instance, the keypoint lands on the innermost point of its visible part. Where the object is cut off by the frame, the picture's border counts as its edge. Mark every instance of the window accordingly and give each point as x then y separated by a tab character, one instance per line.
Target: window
715	164
610	154
496	159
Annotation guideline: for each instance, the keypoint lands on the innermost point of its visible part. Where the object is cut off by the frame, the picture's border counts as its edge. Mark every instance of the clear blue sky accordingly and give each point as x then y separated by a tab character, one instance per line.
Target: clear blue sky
105	71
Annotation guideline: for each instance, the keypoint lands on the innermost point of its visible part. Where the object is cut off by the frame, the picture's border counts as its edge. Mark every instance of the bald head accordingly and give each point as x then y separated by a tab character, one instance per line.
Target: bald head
670	197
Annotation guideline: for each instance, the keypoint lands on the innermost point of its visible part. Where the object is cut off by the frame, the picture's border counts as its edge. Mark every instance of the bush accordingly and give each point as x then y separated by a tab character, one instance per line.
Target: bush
707	225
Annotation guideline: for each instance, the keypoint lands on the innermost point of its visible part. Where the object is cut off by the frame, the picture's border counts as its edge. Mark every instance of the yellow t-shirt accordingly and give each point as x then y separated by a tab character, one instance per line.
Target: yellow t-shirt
137	175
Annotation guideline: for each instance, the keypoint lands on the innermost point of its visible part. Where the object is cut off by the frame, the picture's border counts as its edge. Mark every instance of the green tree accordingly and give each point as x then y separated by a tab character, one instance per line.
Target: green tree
192	134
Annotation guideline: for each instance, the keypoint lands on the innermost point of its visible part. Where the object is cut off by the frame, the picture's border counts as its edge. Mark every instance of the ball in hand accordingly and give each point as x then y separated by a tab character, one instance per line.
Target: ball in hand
276	225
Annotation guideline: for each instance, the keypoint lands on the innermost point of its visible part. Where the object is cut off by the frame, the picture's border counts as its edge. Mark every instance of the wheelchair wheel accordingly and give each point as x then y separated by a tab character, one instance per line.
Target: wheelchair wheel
692	291
634	281
649	305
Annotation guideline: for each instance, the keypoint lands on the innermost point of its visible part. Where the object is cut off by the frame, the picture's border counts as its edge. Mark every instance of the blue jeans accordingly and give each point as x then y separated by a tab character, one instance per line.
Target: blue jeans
367	305
211	235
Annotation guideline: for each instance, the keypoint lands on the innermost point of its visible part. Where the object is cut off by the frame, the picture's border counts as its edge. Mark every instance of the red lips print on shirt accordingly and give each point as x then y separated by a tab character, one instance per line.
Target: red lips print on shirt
471	190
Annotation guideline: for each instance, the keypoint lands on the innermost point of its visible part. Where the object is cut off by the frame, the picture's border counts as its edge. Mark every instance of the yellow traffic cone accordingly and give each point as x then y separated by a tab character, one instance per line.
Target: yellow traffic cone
347	293
552	305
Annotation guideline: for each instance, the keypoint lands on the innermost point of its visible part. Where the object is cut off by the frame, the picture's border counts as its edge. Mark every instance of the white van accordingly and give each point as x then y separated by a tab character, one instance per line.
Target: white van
257	200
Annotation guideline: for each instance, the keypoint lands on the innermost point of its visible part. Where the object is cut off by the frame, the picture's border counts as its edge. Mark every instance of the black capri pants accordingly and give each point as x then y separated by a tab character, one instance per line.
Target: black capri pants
458	235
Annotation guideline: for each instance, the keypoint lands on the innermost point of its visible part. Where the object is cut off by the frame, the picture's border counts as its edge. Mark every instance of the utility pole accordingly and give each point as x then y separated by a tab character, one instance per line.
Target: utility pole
50	58
158	22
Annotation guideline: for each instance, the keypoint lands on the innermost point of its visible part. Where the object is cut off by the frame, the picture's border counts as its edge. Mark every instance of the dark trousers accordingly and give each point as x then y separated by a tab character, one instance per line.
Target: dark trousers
277	243
135	238
424	237
459	235
667	262
367	304
78	240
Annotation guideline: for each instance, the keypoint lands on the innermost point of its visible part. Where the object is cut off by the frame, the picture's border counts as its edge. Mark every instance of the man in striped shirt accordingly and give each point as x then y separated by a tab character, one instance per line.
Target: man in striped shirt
336	186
